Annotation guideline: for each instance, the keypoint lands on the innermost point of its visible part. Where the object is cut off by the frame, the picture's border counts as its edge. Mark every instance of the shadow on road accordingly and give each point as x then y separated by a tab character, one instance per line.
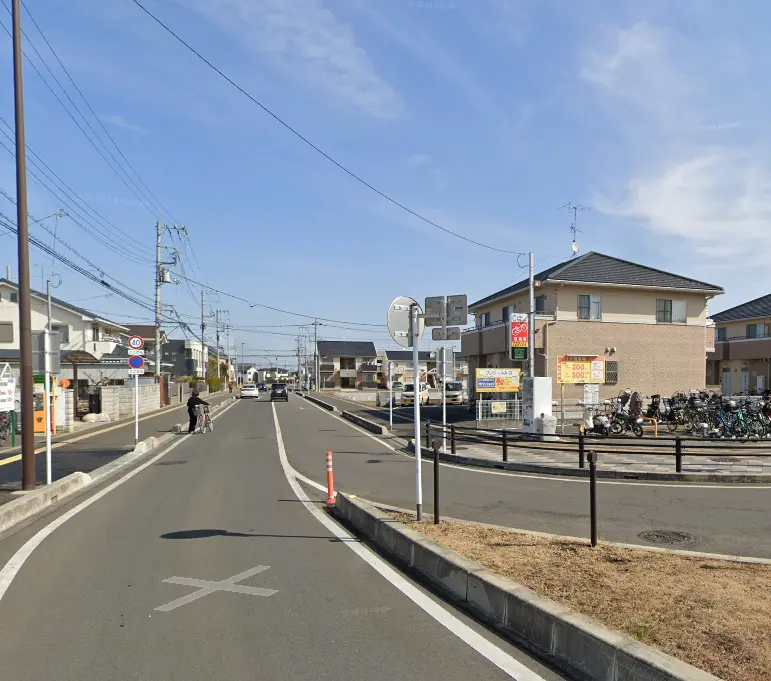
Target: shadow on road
204	534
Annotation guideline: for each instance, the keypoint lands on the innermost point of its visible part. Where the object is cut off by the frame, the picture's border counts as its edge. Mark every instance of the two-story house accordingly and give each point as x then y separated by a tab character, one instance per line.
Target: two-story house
185	357
79	330
651	326
741	361
348	365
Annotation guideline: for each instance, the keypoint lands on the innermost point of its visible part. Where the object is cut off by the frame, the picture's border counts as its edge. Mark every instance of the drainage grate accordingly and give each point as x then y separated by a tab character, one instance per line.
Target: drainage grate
667	537
725	459
170	463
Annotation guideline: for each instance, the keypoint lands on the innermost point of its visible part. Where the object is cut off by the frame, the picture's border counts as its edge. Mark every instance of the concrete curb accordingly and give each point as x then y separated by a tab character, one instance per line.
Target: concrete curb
584	472
365	423
573	642
324	405
32	503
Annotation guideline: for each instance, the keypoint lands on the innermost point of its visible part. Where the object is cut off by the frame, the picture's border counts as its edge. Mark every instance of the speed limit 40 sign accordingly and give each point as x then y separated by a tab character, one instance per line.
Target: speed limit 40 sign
136	342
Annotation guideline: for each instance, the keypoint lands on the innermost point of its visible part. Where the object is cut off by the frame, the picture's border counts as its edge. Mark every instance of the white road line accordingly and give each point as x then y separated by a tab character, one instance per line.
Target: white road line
516	670
12	567
541	476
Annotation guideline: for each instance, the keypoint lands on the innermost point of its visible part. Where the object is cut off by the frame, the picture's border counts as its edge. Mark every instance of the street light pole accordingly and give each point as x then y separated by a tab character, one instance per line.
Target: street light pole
28	481
242	363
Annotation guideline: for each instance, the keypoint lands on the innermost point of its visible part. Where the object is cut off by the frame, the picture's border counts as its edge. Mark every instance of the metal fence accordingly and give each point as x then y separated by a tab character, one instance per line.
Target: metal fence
499	413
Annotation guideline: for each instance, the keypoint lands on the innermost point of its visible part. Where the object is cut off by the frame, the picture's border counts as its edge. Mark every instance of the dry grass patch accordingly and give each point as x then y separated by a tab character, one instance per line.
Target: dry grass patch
715	615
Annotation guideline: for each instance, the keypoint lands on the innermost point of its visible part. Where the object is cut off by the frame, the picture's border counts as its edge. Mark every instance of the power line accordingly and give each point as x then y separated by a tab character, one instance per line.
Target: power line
317	149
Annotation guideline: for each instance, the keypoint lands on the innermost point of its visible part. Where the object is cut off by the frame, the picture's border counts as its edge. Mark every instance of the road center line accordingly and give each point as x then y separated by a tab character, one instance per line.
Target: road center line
516	670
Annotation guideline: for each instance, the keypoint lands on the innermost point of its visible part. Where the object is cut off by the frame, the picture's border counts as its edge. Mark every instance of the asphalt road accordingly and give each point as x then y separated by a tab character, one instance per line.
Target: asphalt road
300	604
722	519
85	451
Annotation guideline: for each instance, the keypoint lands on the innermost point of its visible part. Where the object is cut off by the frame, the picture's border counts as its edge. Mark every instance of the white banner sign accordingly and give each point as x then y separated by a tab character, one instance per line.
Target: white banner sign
7	394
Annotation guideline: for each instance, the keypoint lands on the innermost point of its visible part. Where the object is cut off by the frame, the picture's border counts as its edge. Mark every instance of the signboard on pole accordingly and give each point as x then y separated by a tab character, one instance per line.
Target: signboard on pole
136	342
136	365
400	323
7	394
519	337
578	369
497	380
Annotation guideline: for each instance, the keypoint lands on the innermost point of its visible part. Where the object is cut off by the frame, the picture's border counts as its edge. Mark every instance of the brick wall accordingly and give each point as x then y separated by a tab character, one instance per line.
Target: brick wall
652	358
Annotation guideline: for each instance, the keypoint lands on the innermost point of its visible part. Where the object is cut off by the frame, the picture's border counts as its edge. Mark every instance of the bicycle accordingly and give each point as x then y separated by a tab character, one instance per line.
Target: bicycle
204	419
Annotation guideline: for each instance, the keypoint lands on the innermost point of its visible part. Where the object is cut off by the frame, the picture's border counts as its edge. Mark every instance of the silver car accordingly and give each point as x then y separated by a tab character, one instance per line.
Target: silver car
249	390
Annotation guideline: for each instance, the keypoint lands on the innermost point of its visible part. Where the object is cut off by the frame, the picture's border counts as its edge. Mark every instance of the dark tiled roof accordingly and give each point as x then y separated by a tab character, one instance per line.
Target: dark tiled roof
598	268
760	307
346	349
406	355
63	303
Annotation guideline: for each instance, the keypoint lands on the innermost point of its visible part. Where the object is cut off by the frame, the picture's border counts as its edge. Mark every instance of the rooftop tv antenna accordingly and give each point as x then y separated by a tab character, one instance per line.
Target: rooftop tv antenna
576	247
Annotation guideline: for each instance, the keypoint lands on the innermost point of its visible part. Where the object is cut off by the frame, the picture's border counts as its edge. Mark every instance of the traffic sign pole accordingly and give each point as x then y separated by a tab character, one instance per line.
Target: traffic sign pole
136	408
415	335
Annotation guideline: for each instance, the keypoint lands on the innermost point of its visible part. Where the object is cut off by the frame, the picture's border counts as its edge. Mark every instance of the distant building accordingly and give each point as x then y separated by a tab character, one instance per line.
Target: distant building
741	359
348	365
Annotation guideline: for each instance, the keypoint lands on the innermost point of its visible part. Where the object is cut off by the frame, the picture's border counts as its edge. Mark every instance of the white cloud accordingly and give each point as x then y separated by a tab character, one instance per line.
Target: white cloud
718	203
121	122
709	197
310	42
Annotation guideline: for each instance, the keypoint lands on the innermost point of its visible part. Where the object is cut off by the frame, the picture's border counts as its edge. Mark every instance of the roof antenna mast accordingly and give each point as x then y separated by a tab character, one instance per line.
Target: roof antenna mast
574	225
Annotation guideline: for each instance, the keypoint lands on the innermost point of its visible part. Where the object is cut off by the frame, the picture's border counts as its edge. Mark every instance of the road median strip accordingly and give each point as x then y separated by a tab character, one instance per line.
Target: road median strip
572	641
365	423
33	502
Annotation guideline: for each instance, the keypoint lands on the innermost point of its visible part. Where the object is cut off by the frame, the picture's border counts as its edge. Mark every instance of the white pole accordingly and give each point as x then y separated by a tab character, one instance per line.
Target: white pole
531	319
416	393
391	396
444	400
47	398
136	408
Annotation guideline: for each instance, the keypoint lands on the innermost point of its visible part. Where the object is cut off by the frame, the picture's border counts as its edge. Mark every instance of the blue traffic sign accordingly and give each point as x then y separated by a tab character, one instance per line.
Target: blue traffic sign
136	361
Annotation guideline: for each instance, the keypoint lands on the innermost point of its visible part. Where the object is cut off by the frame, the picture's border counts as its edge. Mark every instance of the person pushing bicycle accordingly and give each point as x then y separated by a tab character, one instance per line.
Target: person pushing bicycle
192	403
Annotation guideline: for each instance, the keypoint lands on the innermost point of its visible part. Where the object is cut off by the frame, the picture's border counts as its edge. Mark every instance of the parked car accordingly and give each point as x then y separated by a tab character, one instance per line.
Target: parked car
397	385
278	391
453	392
408	394
249	390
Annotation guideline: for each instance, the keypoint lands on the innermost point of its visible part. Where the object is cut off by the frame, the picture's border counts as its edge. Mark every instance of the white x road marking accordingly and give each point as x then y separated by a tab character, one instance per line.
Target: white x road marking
205	587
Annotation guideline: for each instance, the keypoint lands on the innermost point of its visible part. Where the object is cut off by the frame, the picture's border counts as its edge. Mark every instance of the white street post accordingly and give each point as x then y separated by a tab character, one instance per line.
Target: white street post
47	399
444	400
416	388
391	395
136	408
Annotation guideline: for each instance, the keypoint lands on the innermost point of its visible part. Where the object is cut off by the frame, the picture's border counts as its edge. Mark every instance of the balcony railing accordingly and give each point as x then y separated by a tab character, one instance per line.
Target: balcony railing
369	367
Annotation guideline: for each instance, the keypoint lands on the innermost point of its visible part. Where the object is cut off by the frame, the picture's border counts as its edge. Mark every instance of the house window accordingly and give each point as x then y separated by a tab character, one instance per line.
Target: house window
670	311
506	313
611	373
6	332
97	334
721	334
540	303
64	333
14	298
485	319
589	307
752	330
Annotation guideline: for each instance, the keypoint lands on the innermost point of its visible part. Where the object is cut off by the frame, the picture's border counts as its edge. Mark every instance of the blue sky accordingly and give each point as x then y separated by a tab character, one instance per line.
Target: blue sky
483	116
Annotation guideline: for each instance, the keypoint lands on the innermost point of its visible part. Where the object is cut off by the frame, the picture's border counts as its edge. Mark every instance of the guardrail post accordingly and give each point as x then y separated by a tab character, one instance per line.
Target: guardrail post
428	434
678	454
436	486
593	495
452	439
330	481
505	445
581	451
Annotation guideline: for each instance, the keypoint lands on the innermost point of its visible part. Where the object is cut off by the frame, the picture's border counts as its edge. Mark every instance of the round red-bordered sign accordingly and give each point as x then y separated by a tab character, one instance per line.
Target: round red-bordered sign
136	342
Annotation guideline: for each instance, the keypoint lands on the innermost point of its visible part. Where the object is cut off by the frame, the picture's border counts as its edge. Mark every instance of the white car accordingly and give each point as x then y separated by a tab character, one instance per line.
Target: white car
249	390
408	394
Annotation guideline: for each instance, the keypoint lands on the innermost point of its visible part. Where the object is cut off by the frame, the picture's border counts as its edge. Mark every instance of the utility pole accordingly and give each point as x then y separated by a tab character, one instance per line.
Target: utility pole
218	344
531	320
316	371
204	354
160	279
28	481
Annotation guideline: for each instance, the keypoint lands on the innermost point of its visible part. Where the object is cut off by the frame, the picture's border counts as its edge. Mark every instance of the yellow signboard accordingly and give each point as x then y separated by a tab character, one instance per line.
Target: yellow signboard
580	369
497	380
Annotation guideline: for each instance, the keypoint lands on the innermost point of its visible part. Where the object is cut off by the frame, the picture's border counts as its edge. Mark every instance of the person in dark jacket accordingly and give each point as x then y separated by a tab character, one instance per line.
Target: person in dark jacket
192	403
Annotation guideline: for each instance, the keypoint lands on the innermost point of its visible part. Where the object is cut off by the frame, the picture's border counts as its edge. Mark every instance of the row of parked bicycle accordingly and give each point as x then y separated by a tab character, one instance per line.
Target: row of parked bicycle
697	413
